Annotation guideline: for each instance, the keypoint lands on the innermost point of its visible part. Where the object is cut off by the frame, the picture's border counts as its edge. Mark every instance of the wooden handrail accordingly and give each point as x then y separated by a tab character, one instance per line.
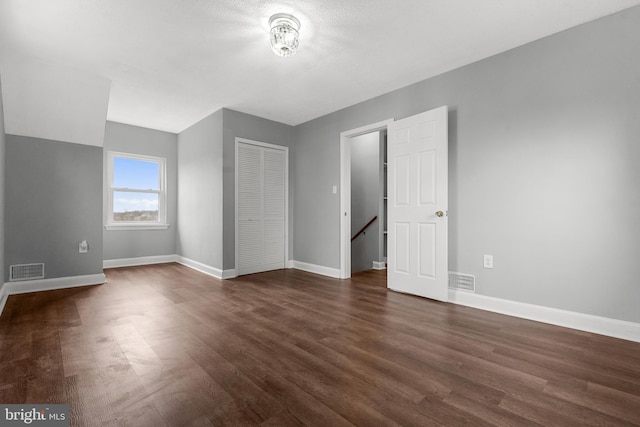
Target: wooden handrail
364	228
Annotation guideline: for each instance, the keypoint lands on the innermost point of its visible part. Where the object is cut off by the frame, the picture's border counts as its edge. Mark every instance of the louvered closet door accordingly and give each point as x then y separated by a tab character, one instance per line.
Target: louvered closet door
274	203
261	203
250	240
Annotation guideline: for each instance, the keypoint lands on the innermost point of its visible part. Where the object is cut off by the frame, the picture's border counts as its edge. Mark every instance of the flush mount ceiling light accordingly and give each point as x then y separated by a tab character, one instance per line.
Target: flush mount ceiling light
284	34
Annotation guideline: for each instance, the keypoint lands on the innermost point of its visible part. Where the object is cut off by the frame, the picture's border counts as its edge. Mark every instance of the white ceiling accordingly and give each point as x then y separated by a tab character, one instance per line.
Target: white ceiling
173	62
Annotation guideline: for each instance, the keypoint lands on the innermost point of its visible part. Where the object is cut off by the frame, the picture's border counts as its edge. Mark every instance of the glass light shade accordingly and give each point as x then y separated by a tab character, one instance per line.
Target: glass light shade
284	34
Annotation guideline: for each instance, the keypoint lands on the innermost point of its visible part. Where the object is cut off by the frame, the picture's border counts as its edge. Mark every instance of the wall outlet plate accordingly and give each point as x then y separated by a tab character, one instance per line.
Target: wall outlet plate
83	247
488	261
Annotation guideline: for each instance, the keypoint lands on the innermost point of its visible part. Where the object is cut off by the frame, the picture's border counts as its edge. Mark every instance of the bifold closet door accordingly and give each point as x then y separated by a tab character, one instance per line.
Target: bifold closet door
261	204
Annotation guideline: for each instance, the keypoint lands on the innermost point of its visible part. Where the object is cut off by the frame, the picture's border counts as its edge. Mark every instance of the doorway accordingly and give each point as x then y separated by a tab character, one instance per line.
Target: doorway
368	201
417	203
345	191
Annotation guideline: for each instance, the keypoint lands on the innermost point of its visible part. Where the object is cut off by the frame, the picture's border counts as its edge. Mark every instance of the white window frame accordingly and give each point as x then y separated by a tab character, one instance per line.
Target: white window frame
161	223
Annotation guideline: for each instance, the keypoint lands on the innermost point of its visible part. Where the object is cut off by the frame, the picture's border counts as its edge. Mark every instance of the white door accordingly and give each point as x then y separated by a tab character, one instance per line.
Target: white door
261	205
417	205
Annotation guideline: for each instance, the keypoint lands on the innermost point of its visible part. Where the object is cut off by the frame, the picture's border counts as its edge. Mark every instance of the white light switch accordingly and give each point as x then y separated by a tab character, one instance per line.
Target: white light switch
335	189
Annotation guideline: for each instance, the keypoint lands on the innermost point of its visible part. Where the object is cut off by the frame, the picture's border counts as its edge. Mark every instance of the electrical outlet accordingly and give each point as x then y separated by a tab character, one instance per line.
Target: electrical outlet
488	261
83	247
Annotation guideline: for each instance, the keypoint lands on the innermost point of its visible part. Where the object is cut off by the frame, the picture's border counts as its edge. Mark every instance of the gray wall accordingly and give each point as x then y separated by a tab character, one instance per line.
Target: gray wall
137	140
206	183
200	191
316	222
365	199
543	167
53	201
246	126
3	145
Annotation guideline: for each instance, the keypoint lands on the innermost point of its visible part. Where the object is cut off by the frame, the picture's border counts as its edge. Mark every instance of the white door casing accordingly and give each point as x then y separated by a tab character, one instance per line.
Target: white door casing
345	191
417	154
261	206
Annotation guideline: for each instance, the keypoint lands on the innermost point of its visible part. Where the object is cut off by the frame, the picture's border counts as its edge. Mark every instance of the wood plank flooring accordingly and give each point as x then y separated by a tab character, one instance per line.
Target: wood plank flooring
166	345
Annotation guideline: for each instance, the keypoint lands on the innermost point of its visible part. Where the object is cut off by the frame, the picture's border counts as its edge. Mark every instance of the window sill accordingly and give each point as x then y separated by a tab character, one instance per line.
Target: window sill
132	227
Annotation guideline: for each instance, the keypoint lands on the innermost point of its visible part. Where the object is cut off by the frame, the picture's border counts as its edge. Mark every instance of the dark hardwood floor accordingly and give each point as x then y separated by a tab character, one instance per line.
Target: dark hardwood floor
166	345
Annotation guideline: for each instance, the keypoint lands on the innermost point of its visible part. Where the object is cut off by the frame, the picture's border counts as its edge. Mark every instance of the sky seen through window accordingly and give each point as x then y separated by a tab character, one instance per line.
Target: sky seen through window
136	175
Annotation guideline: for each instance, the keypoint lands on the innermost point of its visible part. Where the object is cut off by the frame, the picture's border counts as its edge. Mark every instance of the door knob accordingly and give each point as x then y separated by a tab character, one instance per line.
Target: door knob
439	214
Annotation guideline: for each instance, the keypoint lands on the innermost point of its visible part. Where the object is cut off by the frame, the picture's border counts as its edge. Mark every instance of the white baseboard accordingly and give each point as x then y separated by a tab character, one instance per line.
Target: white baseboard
229	274
3	298
568	319
206	269
161	259
379	265
27	286
317	269
145	260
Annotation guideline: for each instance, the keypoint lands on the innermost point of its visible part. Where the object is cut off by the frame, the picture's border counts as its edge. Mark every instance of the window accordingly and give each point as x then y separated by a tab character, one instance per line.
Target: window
137	191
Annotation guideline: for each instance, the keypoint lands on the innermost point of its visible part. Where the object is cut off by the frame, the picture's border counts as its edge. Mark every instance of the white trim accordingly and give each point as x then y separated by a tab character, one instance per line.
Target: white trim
144	260
206	269
3	298
568	319
28	286
161	192
229	274
262	144
317	269
379	265
345	192
133	226
163	259
381	125
286	194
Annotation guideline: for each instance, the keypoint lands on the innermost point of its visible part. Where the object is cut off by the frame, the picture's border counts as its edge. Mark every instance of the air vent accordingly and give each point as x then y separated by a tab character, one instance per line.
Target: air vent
466	282
26	272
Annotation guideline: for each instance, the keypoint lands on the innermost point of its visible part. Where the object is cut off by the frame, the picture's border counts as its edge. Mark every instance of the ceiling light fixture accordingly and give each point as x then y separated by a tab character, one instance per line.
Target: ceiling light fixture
284	34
